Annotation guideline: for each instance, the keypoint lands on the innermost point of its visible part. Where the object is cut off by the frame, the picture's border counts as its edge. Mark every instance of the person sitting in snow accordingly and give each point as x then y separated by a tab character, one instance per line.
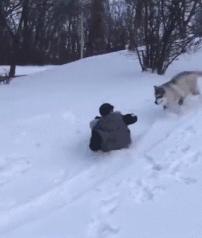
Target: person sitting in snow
110	131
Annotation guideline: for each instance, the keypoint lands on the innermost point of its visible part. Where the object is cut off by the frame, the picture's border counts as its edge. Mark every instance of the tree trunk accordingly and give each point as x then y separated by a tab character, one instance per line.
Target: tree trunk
13	57
12	70
82	34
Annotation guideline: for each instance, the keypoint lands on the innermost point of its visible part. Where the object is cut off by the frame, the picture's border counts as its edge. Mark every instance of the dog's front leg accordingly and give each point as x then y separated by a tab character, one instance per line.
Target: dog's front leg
181	101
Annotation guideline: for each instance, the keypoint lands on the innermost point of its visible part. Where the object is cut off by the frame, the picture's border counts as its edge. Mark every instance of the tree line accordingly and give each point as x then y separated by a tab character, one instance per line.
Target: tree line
57	32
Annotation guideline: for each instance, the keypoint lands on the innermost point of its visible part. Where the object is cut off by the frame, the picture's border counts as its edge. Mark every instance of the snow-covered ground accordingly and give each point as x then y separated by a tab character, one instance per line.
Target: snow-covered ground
25	70
52	186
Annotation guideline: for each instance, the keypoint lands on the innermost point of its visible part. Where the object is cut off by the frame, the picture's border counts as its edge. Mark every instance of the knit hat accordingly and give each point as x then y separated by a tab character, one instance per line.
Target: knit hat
105	109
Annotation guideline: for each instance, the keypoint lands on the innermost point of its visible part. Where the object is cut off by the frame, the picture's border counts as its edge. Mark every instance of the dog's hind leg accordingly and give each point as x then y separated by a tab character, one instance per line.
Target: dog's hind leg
196	91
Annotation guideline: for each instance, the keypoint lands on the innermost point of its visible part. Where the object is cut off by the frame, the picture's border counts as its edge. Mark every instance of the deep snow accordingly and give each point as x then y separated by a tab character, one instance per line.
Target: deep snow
52	186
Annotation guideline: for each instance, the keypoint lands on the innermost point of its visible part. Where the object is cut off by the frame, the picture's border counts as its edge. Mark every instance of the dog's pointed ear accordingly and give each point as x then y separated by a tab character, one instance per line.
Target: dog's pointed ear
155	87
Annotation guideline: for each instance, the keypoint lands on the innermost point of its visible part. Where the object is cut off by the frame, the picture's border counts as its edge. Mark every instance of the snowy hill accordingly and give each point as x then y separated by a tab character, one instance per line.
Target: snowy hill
52	186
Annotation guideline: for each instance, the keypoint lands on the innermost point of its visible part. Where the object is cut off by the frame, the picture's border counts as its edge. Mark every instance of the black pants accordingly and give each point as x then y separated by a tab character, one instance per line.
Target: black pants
95	141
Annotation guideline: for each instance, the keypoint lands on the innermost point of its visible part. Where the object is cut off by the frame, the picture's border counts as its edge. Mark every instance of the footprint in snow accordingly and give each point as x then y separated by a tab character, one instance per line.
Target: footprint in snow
101	225
142	191
101	228
12	166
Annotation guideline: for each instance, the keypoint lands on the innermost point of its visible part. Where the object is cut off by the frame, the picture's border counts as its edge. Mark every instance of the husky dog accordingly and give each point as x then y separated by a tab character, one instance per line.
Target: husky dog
177	89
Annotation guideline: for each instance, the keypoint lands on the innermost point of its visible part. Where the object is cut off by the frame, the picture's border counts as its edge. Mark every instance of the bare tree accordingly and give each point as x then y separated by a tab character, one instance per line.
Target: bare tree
49	31
12	16
97	28
166	31
83	9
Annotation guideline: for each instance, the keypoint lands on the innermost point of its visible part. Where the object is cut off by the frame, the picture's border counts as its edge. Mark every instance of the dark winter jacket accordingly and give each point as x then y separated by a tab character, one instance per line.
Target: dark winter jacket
111	132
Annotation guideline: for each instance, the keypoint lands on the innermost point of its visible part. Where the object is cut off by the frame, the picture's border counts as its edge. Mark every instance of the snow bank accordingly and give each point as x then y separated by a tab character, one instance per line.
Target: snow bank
52	186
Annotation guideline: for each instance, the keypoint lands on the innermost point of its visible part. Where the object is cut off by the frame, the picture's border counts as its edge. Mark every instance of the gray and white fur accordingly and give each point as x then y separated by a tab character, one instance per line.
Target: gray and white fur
177	89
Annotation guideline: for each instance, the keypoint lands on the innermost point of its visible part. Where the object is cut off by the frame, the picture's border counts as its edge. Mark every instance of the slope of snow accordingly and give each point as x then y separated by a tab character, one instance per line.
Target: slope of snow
52	186
25	70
